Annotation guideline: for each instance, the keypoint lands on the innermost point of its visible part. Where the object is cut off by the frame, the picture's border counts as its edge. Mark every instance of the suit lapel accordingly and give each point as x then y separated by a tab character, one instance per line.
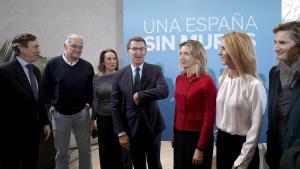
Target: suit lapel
144	75
21	77
129	79
276	91
295	96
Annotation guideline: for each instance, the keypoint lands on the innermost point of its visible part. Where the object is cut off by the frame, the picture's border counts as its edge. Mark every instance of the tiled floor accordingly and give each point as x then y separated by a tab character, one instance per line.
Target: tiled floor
166	157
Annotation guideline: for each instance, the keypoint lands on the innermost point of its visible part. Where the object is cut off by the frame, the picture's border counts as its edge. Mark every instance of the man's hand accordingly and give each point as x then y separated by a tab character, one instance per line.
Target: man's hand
198	157
233	167
51	110
136	98
47	132
93	125
87	107
124	141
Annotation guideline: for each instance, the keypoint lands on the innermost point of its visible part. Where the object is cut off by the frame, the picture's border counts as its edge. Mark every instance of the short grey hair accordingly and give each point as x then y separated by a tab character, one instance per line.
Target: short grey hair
71	36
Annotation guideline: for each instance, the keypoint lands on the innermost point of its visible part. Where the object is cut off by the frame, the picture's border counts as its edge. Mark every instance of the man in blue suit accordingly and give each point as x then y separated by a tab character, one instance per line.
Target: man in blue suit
136	115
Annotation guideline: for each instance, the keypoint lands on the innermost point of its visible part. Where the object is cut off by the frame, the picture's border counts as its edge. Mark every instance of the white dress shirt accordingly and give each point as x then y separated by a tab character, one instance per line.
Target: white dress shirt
68	62
241	102
133	71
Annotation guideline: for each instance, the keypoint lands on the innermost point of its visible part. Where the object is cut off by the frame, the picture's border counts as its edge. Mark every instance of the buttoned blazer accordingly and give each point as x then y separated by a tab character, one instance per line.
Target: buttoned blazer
124	111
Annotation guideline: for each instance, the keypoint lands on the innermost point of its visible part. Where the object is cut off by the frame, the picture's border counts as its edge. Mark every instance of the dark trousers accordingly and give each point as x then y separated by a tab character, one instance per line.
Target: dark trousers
112	156
185	143
274	153
229	148
19	149
145	146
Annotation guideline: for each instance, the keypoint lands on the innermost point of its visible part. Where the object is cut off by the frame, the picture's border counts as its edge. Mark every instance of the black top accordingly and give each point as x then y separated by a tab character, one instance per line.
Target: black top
282	109
68	88
102	95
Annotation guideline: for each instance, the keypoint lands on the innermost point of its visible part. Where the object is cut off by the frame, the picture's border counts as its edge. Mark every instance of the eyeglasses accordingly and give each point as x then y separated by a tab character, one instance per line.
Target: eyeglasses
76	46
135	49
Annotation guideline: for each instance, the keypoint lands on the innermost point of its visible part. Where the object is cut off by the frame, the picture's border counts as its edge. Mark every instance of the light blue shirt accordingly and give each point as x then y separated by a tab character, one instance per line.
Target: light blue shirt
23	64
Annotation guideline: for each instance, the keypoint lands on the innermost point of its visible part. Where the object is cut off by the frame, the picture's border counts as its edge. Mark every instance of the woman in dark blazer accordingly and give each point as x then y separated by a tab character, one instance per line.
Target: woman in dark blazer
284	93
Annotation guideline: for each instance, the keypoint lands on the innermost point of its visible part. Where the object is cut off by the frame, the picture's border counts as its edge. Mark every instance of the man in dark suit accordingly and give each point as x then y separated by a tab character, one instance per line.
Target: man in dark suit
284	93
290	158
23	114
137	118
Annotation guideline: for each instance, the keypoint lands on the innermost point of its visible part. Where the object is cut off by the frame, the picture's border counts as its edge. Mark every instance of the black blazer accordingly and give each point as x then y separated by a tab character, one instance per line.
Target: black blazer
18	106
125	113
292	128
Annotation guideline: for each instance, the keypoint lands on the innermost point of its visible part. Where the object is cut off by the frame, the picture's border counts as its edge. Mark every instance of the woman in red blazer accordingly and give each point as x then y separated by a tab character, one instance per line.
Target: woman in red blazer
195	109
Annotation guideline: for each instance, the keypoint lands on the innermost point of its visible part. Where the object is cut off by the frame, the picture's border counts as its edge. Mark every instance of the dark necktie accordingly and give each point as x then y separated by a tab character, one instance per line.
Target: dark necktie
32	80
137	81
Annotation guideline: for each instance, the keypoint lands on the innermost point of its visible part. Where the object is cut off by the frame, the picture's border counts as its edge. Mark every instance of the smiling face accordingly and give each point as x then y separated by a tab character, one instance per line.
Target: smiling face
224	56
73	48
282	44
137	52
110	61
186	59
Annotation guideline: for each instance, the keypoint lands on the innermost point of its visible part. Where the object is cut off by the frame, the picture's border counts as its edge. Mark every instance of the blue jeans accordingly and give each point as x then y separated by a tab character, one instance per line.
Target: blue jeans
62	127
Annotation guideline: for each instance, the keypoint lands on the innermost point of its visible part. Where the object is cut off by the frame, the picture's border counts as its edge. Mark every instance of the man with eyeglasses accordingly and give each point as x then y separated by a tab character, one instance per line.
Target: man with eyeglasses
137	118
68	84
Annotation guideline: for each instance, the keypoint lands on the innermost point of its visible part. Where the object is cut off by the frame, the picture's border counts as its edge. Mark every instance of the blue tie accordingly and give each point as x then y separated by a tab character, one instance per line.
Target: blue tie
32	81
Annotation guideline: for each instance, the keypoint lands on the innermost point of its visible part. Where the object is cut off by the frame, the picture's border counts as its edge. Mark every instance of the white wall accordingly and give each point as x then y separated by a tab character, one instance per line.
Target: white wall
98	21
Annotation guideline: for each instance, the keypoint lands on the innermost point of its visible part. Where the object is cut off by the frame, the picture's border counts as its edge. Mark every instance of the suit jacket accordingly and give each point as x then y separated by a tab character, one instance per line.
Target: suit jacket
124	111
292	127
18	105
291	157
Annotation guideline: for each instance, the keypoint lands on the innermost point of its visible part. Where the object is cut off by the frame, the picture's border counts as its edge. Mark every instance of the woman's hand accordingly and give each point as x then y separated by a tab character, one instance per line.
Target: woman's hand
198	157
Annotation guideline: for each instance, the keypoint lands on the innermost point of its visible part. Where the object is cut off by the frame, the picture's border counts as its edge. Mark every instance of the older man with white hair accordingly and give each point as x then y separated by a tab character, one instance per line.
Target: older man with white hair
68	84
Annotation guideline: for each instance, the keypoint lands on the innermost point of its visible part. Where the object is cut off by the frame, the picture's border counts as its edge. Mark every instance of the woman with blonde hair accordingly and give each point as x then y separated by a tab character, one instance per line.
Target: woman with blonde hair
195	97
241	102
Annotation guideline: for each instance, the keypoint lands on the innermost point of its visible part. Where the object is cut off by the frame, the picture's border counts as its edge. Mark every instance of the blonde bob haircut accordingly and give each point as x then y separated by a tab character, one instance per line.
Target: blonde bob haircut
241	50
199	54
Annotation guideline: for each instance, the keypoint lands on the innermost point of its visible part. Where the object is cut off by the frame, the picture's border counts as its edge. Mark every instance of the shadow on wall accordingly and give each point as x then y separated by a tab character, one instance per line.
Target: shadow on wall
167	108
264	127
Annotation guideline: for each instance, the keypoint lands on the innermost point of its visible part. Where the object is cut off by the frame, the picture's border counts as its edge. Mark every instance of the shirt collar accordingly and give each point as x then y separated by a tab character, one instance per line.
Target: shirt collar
22	61
133	67
68	62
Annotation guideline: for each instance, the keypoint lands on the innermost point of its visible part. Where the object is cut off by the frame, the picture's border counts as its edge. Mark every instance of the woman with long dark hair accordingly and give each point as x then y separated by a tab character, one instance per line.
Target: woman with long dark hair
110	152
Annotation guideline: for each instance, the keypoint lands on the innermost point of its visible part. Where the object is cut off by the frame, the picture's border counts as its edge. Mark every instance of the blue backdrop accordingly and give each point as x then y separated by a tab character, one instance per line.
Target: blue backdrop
164	24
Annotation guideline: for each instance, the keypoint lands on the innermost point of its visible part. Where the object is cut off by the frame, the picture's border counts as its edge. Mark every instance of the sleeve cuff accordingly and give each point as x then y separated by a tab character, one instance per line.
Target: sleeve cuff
121	133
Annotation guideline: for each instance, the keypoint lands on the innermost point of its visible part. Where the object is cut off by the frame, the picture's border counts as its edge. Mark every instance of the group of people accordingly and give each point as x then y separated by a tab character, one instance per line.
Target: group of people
125	113
238	106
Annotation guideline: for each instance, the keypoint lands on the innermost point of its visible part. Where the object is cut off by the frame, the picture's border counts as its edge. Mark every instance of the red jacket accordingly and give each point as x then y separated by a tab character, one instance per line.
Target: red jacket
195	108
